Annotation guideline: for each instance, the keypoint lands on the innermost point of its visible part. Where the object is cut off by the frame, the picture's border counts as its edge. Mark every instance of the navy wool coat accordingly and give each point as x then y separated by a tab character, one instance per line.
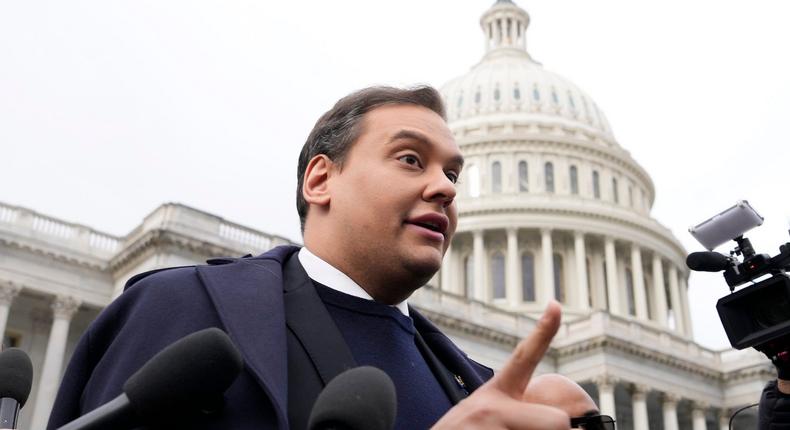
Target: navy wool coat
247	298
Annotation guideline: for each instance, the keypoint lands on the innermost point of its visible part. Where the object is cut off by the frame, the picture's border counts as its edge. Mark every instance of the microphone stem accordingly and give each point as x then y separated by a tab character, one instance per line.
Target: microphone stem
115	414
9	411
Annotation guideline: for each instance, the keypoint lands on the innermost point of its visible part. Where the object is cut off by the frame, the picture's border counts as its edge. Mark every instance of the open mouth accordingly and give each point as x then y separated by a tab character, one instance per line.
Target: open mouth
435	223
429	226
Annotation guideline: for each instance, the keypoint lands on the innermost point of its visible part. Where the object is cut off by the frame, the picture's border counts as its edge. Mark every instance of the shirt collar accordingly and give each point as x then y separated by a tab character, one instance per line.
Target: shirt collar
326	274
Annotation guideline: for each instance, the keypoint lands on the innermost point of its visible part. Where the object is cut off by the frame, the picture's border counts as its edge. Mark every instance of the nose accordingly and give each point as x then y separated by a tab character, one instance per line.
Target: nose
439	188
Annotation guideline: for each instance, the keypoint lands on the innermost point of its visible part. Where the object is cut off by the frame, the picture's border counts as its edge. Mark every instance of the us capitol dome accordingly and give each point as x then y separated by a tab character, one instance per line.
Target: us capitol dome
551	206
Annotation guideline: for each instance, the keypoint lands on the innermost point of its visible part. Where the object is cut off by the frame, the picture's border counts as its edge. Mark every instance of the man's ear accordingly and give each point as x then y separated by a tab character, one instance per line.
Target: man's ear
315	188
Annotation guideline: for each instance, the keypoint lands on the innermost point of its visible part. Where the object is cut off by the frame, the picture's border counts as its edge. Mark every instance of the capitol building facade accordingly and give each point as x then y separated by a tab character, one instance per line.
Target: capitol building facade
551	207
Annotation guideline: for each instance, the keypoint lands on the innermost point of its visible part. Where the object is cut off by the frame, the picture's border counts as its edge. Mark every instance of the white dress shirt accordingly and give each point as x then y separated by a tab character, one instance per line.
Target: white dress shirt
326	274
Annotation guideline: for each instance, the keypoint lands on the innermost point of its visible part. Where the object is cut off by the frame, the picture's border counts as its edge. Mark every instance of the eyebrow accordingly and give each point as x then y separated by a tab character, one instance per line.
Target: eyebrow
423	139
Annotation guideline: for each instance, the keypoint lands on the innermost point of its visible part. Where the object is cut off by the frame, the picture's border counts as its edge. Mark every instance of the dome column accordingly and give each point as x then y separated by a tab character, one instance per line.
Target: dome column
479	252
62	310
674	296
669	406
724	419
583	290
606	385
547	255
511	281
611	276
446	283
639	406
698	415
684	302
639	282
7	294
659	292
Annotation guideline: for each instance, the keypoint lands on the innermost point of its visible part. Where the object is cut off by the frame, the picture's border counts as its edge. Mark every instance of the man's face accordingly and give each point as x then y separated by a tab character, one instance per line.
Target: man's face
394	195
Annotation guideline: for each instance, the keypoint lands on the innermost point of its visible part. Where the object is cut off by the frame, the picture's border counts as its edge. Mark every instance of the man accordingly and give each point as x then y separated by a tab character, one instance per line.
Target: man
376	197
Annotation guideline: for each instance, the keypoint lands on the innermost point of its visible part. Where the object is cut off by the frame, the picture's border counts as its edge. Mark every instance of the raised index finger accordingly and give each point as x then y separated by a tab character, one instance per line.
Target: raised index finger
516	373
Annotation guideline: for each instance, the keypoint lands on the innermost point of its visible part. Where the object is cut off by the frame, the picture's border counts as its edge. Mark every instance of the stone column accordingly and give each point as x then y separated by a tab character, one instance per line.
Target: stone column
8	292
670	408
639	406
480	266
62	309
611	276
447	270
606	384
512	290
724	419
547	256
698	415
684	303
639	282
582	288
659	293
674	296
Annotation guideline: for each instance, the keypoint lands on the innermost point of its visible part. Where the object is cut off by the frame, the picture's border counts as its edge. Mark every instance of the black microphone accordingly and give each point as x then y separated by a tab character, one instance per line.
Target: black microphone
16	378
707	261
192	372
362	398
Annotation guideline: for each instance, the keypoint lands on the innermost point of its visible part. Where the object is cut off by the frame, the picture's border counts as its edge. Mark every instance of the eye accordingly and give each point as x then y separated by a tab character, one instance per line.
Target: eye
410	159
452	176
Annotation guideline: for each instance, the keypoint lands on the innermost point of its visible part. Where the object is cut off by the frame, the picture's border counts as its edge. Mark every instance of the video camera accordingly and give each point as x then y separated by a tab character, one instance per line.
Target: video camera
758	315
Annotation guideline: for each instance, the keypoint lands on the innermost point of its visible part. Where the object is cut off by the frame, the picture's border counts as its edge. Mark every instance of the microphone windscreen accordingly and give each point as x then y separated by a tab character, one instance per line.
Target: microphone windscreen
707	261
192	371
16	375
359	398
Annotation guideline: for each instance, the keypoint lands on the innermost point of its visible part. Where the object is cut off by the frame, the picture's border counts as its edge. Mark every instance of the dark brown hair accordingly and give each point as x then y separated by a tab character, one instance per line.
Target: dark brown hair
337	129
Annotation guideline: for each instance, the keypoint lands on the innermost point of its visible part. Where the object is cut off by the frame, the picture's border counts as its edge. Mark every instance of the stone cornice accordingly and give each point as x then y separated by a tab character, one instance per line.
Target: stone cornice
504	207
472	145
71	257
157	238
463	326
644	354
639	352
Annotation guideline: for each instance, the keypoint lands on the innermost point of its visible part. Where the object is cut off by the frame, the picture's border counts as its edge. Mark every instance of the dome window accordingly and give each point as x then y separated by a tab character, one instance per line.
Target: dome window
469	276
523	178
549	172
498	275
527	277
496	93
554	97
574	173
615	194
516	93
477	96
460	101
559	284
629	292
570	101
596	184
535	93
496	177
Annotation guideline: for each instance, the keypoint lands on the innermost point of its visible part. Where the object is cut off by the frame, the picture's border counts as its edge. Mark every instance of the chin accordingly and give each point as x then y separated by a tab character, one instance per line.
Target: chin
423	264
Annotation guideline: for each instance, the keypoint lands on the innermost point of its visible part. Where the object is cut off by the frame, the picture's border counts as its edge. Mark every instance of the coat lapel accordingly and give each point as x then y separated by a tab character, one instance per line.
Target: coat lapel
248	296
471	373
308	319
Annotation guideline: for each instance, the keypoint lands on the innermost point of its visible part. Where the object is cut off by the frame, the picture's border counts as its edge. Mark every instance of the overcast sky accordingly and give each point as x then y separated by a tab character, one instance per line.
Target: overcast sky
109	109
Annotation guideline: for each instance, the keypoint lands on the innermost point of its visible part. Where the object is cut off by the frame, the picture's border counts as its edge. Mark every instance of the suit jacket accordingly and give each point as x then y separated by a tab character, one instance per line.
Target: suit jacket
271	312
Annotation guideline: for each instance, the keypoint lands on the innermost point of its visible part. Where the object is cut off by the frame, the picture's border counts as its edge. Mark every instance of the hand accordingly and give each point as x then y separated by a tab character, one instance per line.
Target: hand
499	404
